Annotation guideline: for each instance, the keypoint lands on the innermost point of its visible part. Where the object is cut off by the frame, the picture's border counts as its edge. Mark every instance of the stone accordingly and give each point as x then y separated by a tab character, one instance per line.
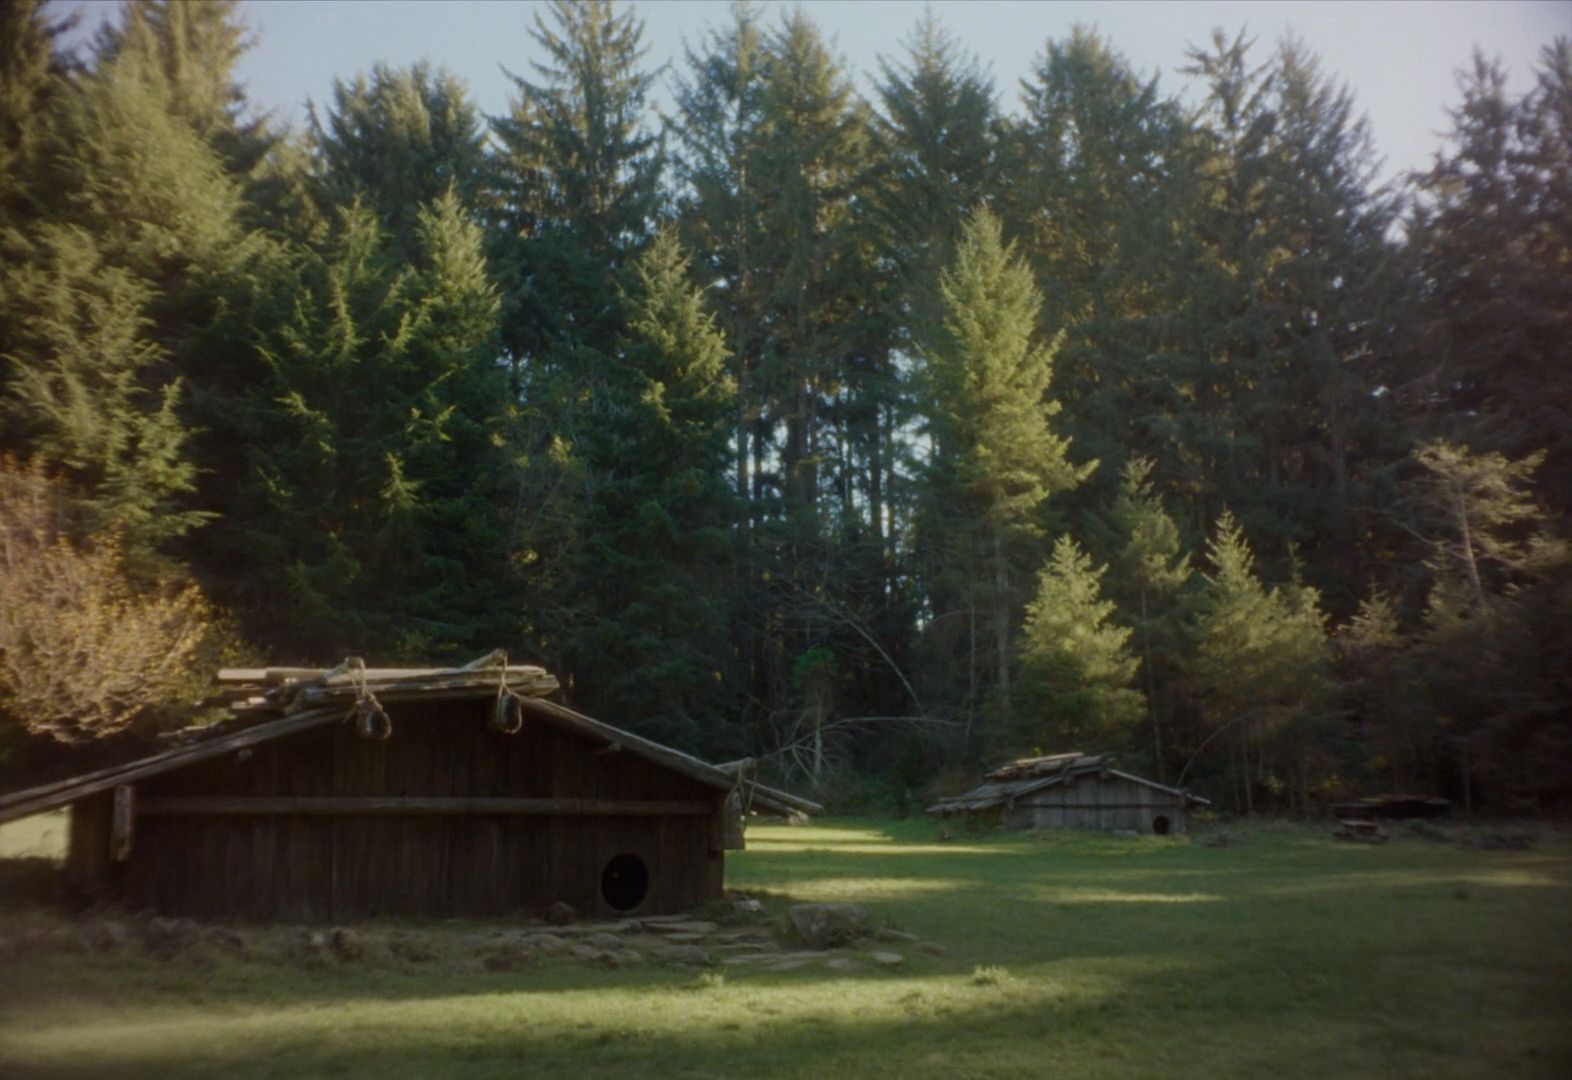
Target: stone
508	958
588	953
561	914
747	906
346	944
680	954
884	933
827	925
603	941
226	938
932	948
167	936
840	963
550	944
106	936
686	926
886	959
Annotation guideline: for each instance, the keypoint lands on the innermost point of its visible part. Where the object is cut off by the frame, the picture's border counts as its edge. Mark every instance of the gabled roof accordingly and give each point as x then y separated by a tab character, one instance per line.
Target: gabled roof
274	703
1025	776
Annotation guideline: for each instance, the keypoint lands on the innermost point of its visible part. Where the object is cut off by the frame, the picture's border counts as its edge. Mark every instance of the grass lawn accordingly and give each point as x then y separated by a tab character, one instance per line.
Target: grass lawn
1284	954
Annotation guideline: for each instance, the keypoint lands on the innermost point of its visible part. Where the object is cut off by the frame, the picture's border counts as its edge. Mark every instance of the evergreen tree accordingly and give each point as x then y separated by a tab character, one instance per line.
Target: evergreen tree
651	646
1258	667
577	184
369	518
32	72
719	129
1491	238
81	390
1093	181
397	141
1151	570
935	137
108	292
1075	659
995	457
1290	296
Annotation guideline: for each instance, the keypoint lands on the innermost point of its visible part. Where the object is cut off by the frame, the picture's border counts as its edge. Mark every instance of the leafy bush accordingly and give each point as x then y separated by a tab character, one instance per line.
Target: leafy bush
87	650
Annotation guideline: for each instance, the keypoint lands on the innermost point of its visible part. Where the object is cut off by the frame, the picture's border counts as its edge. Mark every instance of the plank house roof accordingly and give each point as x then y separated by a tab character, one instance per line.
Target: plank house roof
274	703
1024	776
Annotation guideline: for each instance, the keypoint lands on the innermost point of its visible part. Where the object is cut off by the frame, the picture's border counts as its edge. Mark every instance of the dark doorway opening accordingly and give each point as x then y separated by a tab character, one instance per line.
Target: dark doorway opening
1161	825
625	882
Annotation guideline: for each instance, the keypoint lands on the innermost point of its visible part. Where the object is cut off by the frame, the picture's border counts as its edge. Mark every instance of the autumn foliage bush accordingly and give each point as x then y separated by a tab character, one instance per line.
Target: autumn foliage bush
87	647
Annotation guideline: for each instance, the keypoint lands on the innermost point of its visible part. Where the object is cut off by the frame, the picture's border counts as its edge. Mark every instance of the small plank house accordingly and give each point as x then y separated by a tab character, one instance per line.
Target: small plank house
432	792
1073	791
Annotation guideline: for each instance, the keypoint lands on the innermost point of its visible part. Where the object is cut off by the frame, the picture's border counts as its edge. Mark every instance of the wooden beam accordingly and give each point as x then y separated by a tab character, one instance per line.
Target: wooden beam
48	796
122	823
675	760
378	804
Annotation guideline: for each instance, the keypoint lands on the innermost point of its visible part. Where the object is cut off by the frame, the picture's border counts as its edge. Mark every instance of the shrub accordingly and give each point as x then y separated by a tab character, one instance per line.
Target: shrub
86	650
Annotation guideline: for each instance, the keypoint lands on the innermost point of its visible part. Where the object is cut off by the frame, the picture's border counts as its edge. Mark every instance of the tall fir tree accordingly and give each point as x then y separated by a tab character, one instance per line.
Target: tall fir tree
1092	182
651	646
370	516
397	141
995	456
1491	238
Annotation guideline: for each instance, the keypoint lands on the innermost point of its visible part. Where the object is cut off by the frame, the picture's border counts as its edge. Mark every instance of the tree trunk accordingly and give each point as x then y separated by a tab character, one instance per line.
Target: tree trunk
1001	614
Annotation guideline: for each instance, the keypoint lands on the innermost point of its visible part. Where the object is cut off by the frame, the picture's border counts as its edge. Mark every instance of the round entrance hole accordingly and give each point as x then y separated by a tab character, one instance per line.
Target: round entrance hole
625	882
1161	825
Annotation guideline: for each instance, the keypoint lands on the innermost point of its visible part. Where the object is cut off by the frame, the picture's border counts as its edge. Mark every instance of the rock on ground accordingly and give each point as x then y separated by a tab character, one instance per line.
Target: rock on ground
827	925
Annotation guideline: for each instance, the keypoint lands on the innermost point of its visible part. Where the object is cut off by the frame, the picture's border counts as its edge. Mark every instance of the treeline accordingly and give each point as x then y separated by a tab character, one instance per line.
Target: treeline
877	438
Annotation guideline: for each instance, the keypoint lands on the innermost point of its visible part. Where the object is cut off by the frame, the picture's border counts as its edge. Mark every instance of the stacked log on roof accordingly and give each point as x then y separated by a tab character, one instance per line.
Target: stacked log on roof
1074	761
256	694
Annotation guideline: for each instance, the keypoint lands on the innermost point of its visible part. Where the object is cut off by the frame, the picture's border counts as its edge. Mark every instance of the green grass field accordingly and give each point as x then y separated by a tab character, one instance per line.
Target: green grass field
1282	955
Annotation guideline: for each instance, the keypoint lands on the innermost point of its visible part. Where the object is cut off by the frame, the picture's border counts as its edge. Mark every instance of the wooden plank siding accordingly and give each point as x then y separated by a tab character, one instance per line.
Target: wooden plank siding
316	866
1093	802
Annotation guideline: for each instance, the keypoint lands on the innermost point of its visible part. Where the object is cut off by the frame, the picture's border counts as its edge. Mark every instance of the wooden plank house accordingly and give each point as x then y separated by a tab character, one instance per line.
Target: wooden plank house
1073	791
430	792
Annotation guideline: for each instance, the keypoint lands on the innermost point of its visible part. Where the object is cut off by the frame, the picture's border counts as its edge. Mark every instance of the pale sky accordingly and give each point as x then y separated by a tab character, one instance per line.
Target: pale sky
1400	59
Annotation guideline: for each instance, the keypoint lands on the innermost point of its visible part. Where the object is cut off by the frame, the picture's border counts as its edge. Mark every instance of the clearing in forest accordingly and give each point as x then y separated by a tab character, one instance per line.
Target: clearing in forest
1282	953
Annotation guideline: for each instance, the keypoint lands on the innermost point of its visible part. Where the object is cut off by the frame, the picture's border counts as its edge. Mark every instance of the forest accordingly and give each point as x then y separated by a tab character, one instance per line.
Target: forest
881	438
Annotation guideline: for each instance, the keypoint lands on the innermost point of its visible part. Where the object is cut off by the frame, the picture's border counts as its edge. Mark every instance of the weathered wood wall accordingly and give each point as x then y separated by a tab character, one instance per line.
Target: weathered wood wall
1092	802
333	866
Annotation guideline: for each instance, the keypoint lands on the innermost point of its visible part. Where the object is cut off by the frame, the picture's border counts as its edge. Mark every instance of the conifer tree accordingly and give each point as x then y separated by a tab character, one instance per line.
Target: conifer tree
1076	661
1259	663
108	293
719	131
1151	570
32	72
651	645
935	137
1491	238
996	457
369	520
397	141
1092	180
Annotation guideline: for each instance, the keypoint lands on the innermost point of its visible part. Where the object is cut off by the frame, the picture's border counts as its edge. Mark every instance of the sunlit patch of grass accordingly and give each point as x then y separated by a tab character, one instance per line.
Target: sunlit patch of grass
863	888
991	975
1063	895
